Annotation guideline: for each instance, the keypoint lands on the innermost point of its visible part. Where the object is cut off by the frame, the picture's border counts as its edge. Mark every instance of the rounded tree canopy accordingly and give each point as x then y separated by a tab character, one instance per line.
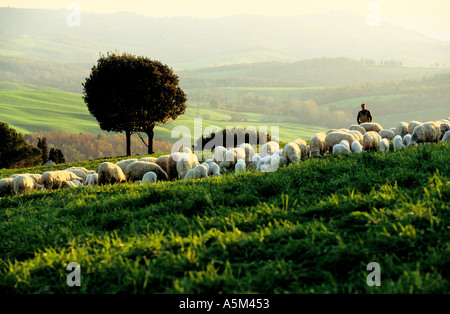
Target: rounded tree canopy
129	93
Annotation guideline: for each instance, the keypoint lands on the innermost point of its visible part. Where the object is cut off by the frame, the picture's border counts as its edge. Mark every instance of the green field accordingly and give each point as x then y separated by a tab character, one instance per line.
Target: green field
30	108
307	228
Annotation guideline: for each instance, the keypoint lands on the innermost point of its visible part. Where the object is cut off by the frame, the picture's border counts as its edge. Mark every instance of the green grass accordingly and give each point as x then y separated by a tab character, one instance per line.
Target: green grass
308	228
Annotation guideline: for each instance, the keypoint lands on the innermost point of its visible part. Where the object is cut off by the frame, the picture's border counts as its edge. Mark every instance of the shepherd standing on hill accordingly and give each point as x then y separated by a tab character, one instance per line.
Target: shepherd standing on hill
364	115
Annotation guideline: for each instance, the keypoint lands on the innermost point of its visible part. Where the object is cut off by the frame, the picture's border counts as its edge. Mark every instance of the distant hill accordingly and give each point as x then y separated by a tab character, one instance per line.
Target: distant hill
191	43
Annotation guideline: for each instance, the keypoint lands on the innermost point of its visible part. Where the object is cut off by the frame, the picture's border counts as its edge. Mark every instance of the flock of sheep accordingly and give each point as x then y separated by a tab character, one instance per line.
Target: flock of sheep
185	165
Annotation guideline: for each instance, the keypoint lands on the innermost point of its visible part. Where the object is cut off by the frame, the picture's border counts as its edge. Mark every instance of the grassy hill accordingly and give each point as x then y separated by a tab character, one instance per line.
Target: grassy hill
30	108
308	228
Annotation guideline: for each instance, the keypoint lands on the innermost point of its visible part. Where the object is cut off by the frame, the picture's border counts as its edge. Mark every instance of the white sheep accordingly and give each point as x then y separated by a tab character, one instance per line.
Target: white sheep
109	173
214	169
356	147
304	148
317	145
393	130
219	153
79	171
444	128
200	171
124	163
412	125
137	170
340	148
269	148
149	177
446	137
371	141
148	159
185	163
55	179
427	132
24	183
291	152
255	160
240	166
249	152
384	145
336	137
372	126
91	179
163	162
358	128
231	157
345	143
407	141
402	129
388	134
278	152
398	143
6	187
269	163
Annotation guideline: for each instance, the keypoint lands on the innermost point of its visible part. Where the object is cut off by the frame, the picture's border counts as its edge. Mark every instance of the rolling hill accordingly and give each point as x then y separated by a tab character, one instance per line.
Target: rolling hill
31	108
192	43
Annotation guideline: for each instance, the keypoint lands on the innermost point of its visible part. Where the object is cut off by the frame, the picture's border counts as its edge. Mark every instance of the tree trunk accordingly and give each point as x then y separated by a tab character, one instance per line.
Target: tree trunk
150	134
128	136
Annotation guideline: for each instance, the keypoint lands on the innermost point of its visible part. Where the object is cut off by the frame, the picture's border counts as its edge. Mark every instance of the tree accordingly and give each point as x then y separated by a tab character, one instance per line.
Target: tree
42	145
133	94
14	151
56	155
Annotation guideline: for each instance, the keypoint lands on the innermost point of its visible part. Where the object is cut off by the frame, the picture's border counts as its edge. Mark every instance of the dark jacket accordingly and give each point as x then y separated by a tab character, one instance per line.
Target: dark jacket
364	116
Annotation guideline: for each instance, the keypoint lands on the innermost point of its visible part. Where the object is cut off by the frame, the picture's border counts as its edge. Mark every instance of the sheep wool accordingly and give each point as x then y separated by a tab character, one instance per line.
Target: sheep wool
345	143
124	163
55	179
148	159
336	137
317	145
407	141
402	129
149	177
92	179
219	154
427	132
24	183
371	141
446	137
412	125
372	126
214	169
356	147
304	148
384	145
138	169
388	134
269	148
79	171
358	128
291	152
340	149
239	167
109	173
200	171
398	143
248	150
163	162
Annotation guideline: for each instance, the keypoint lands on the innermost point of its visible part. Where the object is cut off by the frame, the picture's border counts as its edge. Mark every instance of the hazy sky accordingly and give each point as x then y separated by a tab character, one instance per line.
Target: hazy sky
430	17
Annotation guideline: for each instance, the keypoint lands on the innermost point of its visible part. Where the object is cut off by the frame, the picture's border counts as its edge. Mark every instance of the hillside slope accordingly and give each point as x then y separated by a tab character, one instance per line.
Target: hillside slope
308	228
